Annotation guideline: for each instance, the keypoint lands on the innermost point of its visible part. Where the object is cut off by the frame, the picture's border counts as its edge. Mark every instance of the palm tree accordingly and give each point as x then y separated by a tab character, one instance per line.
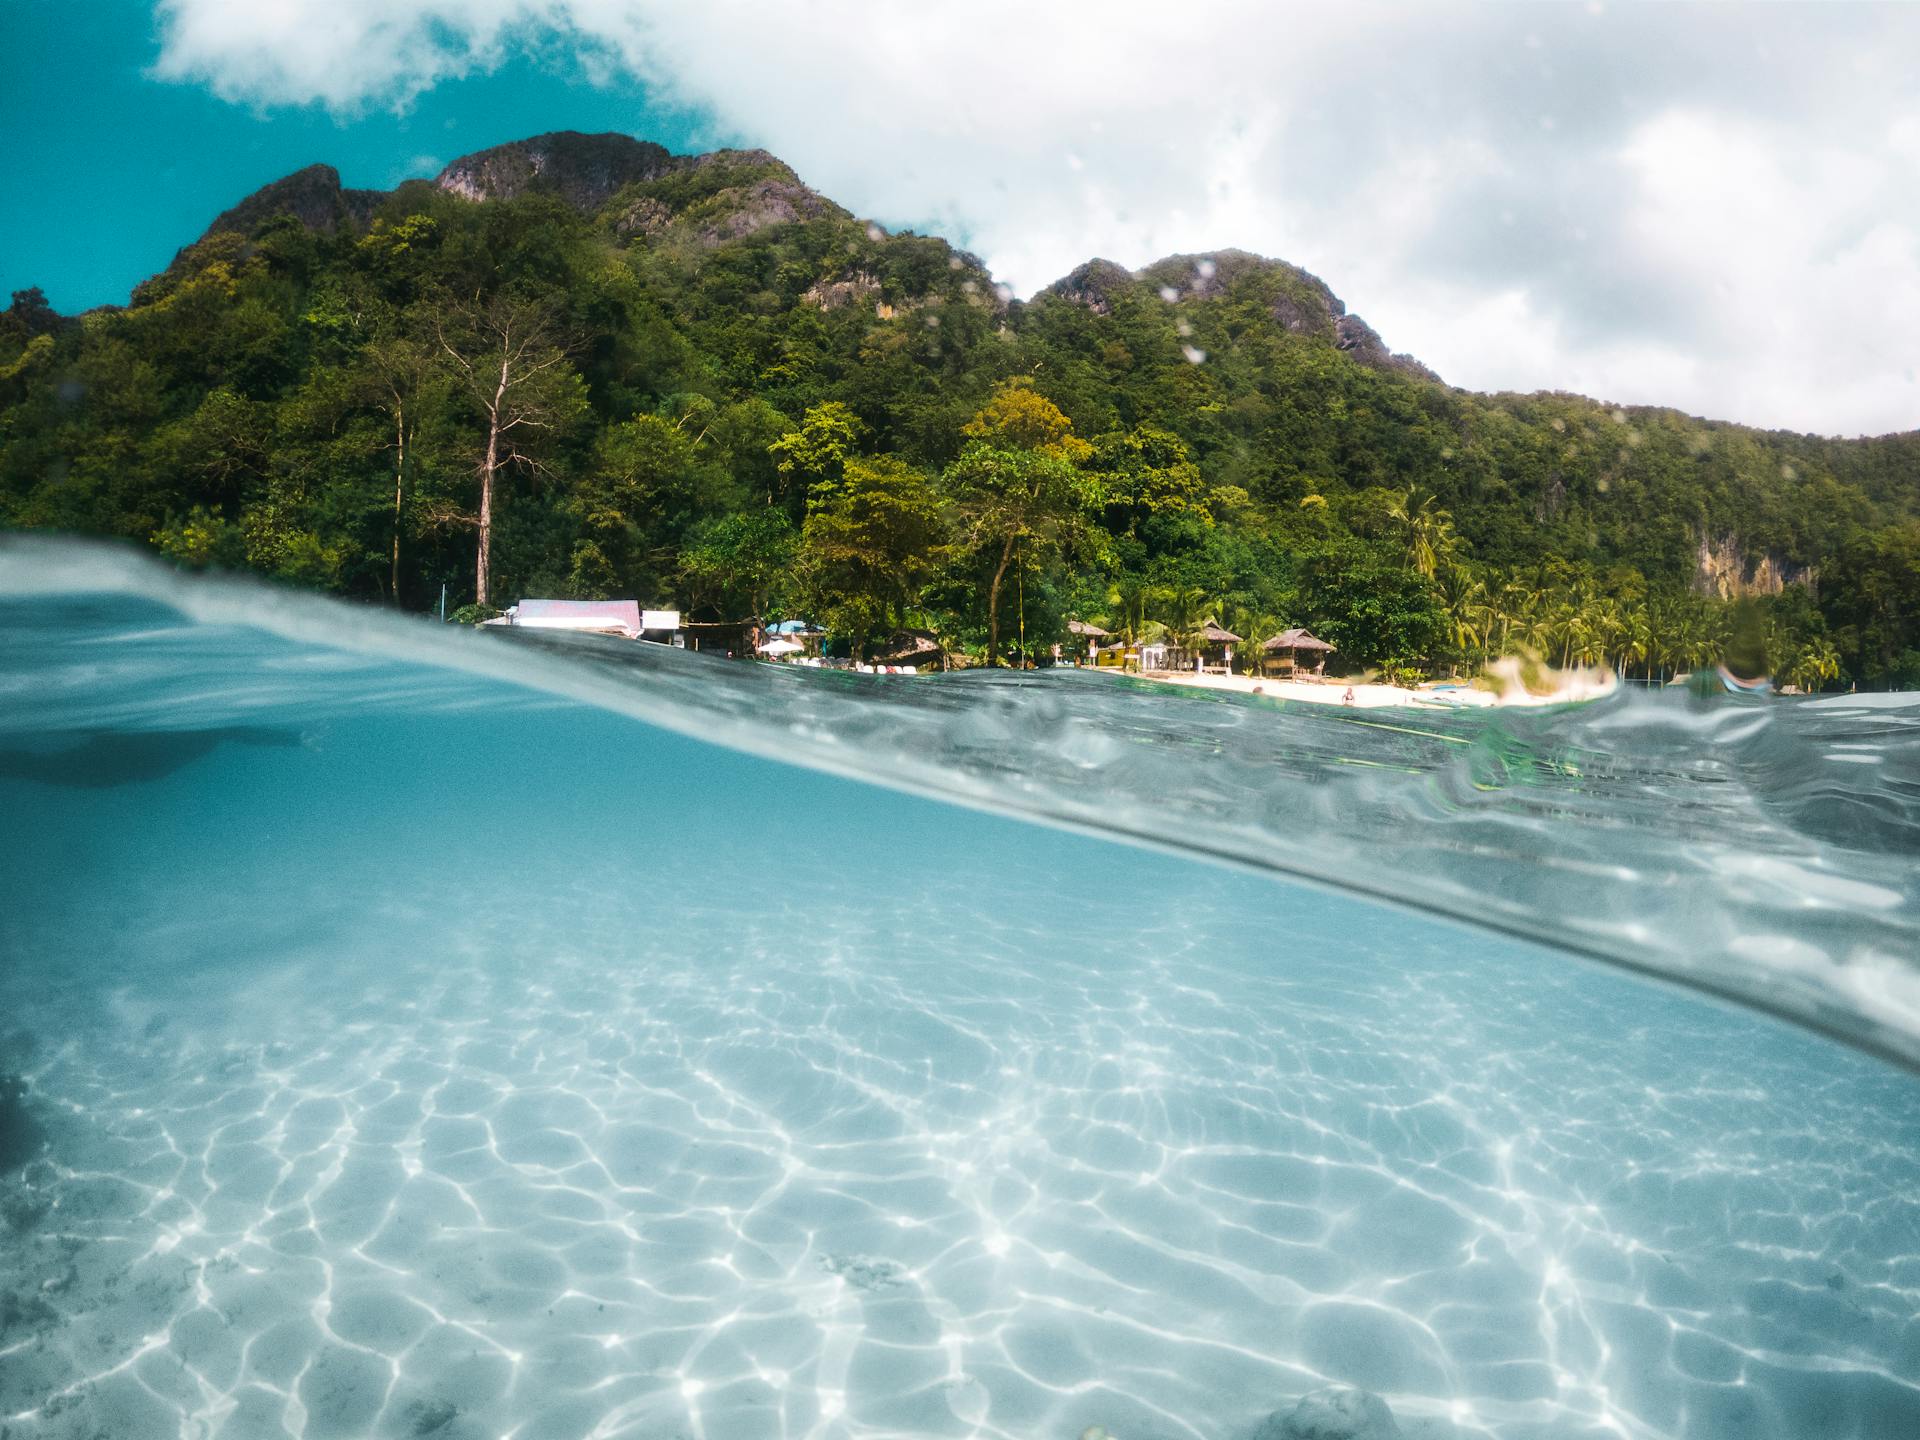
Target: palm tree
1127	600
1694	642
1255	626
1487	617
1426	527
1636	638
1533	627
1519	607
1667	620
1562	627
1460	596
1817	663
1608	627
1186	611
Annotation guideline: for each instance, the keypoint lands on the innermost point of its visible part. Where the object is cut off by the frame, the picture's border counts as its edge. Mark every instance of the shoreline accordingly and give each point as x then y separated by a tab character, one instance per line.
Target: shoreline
1574	687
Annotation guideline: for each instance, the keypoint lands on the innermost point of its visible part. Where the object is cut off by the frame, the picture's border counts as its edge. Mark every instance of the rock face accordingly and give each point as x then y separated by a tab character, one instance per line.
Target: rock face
723	196
1299	302
852	288
584	170
1336	1413
728	195
1094	285
312	196
1205	277
763	204
645	216
1722	570
1357	338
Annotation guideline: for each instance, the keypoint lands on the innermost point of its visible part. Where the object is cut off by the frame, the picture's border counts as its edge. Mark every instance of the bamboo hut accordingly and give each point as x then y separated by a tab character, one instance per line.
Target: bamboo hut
1216	647
1293	651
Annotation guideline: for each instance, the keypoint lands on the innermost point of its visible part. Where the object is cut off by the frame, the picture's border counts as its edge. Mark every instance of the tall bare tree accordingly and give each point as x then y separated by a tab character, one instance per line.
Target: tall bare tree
398	375
512	355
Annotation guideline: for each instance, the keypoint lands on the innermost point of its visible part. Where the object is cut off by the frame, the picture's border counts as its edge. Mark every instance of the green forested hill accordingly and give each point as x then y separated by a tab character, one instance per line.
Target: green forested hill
725	391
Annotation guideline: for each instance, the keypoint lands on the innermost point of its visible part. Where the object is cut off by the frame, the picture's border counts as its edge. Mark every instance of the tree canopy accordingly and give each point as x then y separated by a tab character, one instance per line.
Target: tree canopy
717	387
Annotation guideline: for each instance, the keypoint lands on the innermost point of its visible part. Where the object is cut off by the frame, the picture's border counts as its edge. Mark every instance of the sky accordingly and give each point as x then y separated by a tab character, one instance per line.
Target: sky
1715	207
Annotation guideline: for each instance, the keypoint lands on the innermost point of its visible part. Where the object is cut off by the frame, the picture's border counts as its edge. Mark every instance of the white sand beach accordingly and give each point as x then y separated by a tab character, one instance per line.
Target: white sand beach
1570	687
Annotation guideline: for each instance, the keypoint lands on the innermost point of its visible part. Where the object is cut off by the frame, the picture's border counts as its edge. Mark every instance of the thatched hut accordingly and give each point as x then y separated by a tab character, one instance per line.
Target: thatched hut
1208	648
1085	638
1216	647
1292	652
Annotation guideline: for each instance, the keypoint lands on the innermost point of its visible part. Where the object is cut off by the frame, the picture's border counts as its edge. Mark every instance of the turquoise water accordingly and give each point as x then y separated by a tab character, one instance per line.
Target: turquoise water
432	1033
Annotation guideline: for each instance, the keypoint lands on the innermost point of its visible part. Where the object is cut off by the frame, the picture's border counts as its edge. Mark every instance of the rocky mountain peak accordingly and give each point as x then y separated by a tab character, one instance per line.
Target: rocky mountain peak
1299	302
584	170
313	196
727	195
1094	285
1210	275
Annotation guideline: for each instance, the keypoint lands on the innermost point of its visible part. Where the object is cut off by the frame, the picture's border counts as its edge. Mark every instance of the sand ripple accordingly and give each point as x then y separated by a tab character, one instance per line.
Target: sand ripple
922	1171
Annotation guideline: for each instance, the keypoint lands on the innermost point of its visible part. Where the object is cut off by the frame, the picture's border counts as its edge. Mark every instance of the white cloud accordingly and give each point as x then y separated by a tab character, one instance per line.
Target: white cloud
1711	207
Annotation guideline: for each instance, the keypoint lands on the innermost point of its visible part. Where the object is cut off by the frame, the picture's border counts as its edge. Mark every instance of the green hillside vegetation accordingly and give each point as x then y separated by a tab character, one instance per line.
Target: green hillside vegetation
711	387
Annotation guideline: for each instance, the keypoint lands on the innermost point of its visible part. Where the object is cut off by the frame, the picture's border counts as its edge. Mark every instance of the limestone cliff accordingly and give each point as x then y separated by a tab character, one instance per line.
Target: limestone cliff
584	170
703	202
1724	570
1299	302
313	196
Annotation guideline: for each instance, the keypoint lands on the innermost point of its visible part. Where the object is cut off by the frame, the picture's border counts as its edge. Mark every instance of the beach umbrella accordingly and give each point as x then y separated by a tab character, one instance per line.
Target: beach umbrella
781	647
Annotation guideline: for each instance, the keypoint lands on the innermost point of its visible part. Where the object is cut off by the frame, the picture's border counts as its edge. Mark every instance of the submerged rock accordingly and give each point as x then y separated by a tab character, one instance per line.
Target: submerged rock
19	1135
863	1272
429	1417
1335	1413
103	759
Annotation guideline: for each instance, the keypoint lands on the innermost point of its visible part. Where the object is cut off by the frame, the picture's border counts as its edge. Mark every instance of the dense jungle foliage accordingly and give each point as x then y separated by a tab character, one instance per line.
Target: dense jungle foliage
710	388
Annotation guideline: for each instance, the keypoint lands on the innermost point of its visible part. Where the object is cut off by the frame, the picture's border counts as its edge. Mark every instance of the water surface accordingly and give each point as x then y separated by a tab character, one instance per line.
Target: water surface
431	1034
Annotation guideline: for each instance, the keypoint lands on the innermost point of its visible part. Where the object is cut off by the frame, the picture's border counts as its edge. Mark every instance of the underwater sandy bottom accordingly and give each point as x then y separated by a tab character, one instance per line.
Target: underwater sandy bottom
420	1055
984	1159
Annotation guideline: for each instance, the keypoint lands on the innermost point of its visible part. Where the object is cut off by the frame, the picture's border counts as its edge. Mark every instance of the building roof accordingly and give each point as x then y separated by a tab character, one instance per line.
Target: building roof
1087	627
1219	635
621	615
1296	639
